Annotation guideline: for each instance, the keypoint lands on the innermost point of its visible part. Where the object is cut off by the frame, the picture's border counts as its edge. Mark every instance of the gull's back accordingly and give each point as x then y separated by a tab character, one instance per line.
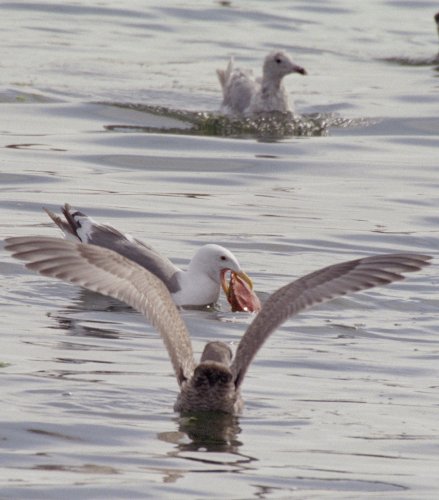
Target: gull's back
212	385
238	87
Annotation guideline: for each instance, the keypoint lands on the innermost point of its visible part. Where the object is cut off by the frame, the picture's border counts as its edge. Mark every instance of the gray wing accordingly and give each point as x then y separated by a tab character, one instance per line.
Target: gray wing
104	271
137	251
109	237
320	286
239	91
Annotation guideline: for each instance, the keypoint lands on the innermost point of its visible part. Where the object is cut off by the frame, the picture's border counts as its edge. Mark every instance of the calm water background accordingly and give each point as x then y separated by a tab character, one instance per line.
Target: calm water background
343	401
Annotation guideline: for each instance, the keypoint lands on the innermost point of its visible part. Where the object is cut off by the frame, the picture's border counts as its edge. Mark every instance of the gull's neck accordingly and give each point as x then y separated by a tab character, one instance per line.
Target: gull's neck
270	83
197	285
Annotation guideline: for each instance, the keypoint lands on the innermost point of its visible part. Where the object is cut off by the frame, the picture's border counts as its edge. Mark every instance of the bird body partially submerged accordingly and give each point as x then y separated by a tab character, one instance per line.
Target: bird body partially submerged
199	285
211	388
213	384
245	95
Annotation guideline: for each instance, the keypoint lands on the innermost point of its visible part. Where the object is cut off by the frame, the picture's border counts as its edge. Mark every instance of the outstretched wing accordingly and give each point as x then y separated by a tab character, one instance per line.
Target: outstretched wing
320	286
104	271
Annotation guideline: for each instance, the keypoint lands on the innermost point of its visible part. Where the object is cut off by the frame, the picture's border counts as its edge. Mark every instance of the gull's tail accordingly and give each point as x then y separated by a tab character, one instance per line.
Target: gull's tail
224	75
71	225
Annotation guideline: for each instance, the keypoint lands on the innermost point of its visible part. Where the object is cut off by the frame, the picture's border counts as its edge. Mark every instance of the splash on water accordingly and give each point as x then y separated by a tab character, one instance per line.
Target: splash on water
267	126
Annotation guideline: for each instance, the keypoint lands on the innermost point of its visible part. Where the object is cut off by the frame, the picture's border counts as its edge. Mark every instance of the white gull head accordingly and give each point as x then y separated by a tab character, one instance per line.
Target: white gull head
277	65
204	273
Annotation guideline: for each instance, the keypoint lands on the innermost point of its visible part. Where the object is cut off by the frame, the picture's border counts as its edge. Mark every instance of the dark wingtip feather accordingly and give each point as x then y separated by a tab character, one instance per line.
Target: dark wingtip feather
70	219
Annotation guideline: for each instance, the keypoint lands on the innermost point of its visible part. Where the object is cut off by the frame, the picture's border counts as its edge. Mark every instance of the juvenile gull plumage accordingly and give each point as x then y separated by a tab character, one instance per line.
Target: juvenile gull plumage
198	286
245	95
213	384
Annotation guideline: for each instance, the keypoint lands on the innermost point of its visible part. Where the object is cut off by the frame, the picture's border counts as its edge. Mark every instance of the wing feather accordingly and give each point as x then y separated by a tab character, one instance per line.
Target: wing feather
102	270
320	286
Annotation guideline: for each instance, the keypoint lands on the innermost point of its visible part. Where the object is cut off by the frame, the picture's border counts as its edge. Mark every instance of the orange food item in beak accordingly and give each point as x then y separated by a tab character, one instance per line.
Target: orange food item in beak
240	293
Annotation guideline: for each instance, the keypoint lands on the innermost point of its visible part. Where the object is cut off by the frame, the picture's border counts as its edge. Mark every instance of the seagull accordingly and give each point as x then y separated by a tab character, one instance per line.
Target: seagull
198	286
436	19
245	95
418	61
214	383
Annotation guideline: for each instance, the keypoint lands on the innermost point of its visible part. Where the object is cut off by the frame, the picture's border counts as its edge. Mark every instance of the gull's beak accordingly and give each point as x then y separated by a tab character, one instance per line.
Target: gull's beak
224	284
244	276
240	292
299	69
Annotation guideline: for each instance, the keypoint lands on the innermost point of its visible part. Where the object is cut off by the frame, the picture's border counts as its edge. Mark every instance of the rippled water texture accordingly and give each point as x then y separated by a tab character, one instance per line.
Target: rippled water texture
112	107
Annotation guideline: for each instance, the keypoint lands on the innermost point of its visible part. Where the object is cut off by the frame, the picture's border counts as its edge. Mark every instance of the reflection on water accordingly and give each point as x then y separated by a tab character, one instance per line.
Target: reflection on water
75	328
209	431
213	432
213	437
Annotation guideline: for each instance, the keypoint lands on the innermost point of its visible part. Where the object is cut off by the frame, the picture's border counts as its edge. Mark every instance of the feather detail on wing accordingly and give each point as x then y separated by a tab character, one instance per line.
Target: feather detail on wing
320	286
104	271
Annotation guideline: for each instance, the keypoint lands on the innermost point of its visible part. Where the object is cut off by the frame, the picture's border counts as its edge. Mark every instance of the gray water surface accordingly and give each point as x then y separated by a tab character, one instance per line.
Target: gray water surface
111	107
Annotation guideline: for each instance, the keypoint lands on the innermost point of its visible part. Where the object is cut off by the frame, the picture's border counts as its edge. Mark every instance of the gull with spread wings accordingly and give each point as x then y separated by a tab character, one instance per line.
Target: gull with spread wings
214	383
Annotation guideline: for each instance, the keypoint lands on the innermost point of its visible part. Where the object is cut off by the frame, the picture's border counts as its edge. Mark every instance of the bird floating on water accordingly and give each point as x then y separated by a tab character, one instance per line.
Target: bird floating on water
417	61
436	19
244	95
198	286
213	384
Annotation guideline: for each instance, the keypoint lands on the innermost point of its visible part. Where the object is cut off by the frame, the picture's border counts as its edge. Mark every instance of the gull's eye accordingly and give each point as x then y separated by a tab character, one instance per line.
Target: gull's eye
278	60
223	257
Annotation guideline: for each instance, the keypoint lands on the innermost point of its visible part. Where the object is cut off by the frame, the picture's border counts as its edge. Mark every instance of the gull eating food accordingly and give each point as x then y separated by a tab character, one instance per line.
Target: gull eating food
199	285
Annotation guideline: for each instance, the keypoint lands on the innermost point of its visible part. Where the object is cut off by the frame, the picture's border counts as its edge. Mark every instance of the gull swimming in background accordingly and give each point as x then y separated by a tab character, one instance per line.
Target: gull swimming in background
436	19
417	61
213	384
245	95
198	286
